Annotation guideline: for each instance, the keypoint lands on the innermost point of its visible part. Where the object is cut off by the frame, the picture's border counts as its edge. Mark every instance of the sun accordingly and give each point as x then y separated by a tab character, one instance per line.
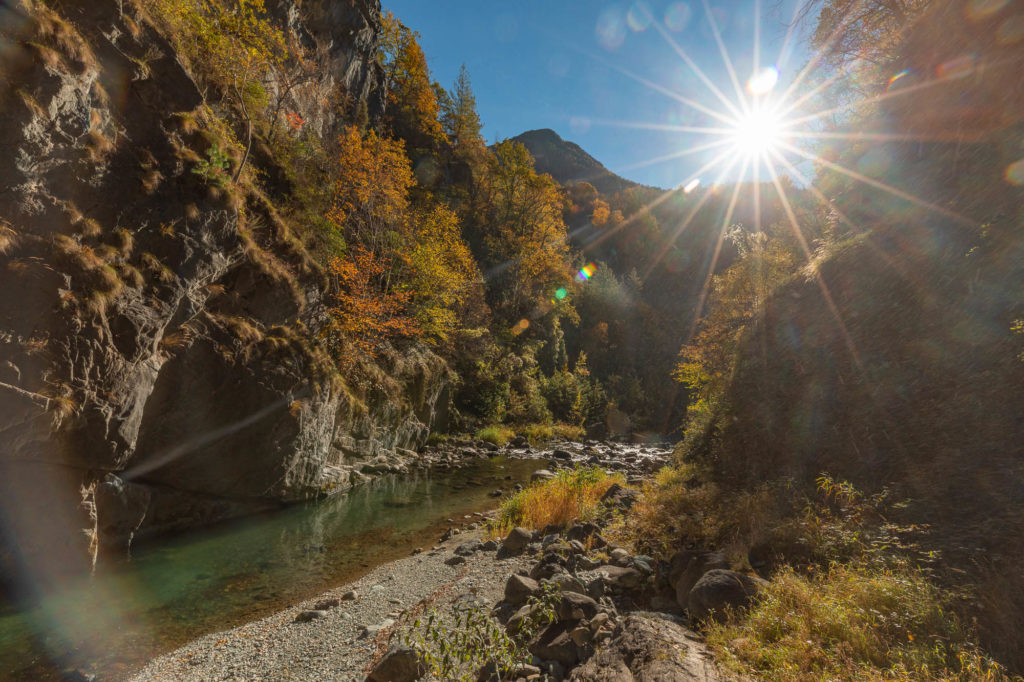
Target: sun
758	133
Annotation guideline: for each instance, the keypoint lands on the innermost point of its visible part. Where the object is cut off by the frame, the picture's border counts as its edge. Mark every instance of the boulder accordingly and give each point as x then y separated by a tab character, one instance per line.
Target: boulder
542	475
555	644
400	664
719	588
687	566
308	615
518	589
575	606
329	603
582	531
621	577
617	496
516	540
467	548
455	560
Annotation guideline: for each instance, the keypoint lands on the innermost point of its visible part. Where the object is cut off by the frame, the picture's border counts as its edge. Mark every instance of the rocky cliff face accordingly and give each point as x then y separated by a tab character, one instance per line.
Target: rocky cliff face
159	363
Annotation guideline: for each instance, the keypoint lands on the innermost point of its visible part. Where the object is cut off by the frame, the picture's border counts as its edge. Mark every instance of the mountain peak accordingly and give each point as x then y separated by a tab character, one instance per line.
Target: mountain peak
568	163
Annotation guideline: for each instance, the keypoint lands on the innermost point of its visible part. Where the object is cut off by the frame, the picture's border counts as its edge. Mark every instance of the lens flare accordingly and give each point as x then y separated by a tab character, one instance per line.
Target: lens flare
763	81
586	272
1015	173
677	16
691	185
561	293
639	17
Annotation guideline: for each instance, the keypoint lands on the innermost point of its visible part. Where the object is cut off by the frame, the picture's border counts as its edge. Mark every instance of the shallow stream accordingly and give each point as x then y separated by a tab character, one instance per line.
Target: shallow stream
182	587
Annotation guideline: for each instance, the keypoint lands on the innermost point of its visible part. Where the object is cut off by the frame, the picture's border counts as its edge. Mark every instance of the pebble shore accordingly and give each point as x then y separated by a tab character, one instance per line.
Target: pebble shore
340	642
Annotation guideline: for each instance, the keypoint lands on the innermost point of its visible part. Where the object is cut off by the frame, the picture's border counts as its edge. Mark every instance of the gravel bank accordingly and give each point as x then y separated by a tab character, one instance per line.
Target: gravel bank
335	645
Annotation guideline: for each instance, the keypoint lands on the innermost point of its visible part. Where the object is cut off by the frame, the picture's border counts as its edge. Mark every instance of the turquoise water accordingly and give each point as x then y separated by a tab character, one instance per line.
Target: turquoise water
186	586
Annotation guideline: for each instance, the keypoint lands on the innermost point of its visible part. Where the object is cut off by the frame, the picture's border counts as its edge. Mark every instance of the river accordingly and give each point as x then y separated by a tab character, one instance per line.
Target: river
185	586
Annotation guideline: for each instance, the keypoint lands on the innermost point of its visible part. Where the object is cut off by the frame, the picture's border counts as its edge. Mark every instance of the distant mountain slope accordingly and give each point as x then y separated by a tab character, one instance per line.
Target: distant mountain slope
567	163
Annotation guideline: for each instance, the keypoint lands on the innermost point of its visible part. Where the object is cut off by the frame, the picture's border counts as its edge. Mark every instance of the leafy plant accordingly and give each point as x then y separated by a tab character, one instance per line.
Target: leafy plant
214	168
457	650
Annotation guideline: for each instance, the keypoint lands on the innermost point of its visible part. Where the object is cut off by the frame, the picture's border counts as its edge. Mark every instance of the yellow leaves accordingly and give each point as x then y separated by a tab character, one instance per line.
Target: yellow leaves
602	213
371	192
443	271
233	43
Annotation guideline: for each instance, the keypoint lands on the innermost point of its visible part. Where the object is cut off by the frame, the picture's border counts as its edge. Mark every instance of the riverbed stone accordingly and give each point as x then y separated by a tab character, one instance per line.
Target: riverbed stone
468	548
516	540
308	615
399	664
518	589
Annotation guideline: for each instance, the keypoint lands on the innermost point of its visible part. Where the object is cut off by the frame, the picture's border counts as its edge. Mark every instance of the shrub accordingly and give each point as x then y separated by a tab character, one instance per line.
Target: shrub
858	621
570	495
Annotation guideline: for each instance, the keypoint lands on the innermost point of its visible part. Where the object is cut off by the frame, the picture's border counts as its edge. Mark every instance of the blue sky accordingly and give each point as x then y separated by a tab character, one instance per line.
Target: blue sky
559	65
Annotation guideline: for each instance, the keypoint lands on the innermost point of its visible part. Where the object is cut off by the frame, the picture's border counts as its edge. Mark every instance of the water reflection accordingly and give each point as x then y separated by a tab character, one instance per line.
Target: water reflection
201	582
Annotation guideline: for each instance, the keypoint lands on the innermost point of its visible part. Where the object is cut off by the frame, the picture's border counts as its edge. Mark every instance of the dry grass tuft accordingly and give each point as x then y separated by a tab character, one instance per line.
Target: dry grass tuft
125	242
98	145
569	496
131	276
158	270
47	55
8	238
89	227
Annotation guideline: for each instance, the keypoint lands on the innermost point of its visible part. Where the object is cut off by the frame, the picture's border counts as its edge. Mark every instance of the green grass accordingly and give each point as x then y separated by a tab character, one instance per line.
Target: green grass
852	622
570	495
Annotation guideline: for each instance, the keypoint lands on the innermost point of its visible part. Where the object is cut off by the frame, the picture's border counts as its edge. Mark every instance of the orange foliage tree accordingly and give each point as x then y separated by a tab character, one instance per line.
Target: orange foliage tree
363	315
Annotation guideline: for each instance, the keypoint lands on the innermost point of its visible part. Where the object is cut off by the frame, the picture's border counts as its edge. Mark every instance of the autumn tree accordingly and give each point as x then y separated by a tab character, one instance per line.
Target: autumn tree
412	108
362	314
373	178
444	274
737	296
525	237
460	118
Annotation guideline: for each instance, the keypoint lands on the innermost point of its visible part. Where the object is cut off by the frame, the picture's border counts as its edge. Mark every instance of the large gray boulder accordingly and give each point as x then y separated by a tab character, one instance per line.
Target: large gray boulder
718	589
519	589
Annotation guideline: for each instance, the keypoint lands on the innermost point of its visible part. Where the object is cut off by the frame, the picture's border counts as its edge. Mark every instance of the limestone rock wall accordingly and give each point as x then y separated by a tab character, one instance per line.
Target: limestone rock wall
159	362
